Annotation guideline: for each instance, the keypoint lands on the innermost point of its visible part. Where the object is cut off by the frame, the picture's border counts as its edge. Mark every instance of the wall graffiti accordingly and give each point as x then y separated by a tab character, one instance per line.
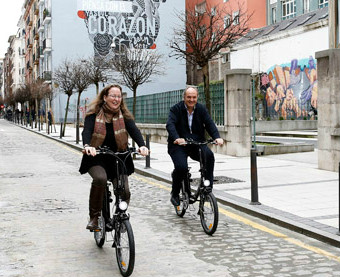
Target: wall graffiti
290	90
125	23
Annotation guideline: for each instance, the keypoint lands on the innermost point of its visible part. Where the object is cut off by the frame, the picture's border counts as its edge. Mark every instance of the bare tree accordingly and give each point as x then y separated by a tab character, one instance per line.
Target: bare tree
98	70
136	66
40	90
81	81
21	96
63	77
207	30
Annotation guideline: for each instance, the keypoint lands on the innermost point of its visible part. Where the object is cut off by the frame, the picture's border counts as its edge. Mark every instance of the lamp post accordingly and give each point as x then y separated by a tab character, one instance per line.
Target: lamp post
253	163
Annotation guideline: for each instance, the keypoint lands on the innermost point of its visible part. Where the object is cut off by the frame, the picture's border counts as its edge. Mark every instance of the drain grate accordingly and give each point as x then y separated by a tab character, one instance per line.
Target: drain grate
220	180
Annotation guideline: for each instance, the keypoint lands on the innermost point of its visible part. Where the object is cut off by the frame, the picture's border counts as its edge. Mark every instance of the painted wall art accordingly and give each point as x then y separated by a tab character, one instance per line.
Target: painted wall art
114	24
291	90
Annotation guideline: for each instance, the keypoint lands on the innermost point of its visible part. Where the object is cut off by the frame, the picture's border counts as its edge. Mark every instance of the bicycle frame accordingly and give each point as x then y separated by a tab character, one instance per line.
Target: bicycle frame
201	187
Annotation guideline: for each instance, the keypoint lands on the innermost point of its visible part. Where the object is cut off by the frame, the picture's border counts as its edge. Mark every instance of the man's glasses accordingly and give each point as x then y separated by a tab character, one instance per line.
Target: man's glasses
115	96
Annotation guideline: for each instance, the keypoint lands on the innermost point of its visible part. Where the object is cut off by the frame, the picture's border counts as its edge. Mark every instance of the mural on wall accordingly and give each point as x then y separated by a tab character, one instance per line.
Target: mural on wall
291	90
113	24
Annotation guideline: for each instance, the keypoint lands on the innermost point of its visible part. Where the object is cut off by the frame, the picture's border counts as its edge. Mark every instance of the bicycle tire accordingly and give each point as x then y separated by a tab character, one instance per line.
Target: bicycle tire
99	236
125	247
182	208
208	213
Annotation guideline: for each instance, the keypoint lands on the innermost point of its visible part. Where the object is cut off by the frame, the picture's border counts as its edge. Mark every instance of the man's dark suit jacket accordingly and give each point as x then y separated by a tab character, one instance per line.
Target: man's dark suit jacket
178	125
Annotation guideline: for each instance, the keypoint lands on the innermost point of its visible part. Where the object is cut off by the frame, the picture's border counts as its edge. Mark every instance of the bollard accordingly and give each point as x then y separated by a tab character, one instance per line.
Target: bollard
339	200
147	158
61	130
253	174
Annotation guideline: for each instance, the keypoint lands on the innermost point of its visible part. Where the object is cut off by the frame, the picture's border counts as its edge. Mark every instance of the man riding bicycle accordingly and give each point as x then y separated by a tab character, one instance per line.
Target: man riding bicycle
189	120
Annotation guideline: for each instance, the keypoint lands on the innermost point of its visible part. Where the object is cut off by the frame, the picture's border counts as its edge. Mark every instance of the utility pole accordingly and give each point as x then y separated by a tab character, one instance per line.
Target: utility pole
333	23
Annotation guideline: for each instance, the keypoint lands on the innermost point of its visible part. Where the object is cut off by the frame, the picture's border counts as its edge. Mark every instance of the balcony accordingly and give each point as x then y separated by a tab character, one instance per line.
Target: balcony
36	8
40	26
47	76
46	16
29	44
41	51
47	45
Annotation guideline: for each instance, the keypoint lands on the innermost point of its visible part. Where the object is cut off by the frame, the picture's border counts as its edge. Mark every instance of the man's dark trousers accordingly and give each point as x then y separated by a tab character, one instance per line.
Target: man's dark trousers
179	155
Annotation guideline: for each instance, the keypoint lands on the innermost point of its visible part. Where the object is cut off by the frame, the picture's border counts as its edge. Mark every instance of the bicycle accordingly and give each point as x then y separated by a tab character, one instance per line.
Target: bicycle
208	209
114	216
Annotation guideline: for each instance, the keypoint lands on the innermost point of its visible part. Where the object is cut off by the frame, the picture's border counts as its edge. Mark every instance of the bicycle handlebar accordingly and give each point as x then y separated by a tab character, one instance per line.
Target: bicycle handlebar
193	142
106	150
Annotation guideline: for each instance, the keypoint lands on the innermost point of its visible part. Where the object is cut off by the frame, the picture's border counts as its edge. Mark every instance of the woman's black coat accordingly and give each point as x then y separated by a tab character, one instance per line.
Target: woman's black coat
107	161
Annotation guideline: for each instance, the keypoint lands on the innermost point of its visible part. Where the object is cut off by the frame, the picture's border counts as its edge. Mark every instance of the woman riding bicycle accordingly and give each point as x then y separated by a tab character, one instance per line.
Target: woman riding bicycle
108	123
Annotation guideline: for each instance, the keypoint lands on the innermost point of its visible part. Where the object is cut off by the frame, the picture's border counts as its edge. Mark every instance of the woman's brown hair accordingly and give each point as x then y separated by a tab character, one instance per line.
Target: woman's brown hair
98	102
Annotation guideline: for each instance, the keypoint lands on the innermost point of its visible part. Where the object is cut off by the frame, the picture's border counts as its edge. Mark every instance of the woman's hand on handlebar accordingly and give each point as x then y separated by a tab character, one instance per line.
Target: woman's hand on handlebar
90	151
144	151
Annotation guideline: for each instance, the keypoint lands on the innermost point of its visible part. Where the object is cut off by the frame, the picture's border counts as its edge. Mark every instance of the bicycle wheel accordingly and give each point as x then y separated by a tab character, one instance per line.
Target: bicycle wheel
125	248
208	213
99	236
183	204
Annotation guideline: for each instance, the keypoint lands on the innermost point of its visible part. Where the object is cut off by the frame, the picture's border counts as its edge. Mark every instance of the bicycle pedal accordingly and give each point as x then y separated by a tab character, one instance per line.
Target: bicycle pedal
109	227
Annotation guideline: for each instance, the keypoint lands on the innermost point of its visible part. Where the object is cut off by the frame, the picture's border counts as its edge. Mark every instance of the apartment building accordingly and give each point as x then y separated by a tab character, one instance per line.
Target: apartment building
231	10
56	30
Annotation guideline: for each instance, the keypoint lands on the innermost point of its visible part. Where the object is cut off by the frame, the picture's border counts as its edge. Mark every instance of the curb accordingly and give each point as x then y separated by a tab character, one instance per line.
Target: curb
278	217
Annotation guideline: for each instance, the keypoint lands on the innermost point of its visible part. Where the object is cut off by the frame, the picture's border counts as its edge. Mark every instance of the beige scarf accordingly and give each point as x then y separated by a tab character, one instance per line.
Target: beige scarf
107	115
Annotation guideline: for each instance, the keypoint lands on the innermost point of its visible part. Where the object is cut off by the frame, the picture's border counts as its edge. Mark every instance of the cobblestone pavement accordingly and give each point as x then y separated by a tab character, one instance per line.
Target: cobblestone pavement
44	203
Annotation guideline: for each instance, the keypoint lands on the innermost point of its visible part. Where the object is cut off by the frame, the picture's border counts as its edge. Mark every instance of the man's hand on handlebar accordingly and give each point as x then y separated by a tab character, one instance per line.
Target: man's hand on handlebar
180	141
144	151
219	141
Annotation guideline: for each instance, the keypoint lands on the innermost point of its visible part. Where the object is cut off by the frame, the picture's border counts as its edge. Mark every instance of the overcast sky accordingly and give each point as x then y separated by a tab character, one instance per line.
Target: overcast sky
10	11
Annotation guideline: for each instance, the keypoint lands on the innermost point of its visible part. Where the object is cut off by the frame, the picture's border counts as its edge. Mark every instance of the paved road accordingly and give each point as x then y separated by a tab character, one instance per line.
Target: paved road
43	204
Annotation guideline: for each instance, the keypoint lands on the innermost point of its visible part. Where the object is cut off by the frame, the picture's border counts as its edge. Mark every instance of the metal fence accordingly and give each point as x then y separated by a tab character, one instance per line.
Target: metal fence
154	108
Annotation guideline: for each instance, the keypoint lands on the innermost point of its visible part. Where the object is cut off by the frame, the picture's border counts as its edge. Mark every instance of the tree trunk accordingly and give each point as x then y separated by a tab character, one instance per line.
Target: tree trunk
66	111
36	112
134	102
77	124
206	82
97	88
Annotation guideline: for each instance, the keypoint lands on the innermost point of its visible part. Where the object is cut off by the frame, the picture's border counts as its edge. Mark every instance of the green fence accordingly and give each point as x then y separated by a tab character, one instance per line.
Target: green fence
154	108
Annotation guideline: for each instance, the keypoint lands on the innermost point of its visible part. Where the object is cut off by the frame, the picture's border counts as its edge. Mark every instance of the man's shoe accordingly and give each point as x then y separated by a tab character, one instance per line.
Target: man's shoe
174	200
93	224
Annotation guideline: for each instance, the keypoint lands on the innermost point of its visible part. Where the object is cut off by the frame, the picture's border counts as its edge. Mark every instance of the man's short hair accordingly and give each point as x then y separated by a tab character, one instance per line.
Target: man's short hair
193	87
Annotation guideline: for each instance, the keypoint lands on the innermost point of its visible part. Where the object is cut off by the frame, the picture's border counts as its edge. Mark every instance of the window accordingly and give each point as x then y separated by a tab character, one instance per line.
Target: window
213	11
323	3
236	18
227	21
201	32
288	9
200	8
305	6
273	15
225	57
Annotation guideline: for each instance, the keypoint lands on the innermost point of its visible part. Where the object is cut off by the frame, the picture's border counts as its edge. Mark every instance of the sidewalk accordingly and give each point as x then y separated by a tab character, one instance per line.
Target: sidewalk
293	192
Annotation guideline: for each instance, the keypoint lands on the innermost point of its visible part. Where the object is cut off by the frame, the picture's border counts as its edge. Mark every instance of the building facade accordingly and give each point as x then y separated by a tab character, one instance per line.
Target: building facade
282	56
280	10
231	10
57	30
